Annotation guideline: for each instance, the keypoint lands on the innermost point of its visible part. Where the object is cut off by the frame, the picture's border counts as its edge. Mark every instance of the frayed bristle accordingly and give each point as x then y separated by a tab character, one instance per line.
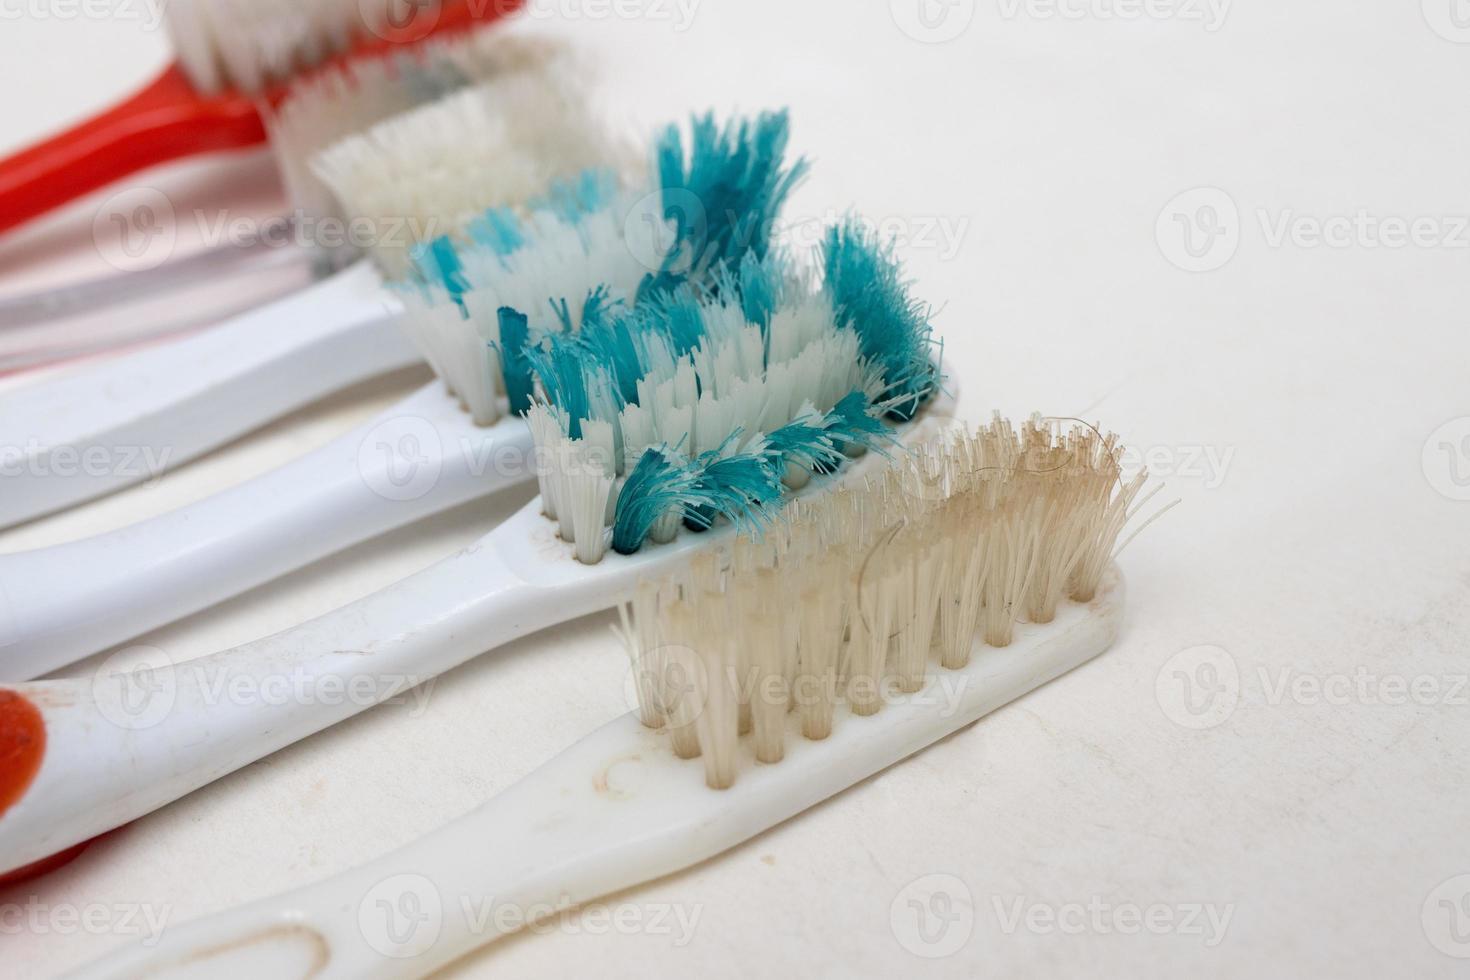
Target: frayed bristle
478	305
541	300
744	388
867	288
855	594
433	170
723	194
336	103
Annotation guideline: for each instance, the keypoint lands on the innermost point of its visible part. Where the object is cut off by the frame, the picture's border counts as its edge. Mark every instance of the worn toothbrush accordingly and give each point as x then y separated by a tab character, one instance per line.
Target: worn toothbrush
232	58
181	399
781	374
467	441
753	707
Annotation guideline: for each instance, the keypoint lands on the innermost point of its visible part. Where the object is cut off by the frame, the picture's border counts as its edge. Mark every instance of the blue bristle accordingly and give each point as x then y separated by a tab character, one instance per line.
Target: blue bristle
572	199
806	445
725	195
613	341
762	286
515	336
561	366
438	264
659	483
498	230
871	297
744	487
854	422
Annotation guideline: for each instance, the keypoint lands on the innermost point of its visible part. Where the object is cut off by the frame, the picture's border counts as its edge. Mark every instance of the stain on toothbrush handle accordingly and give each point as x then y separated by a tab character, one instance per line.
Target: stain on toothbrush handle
22	747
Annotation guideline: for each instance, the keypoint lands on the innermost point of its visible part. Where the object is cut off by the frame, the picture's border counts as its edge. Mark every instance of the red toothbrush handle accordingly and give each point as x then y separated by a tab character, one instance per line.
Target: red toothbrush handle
165	121
169	120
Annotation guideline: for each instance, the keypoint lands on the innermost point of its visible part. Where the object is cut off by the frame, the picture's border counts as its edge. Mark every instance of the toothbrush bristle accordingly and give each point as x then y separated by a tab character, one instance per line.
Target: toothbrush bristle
543	299
754	382
333	104
731	184
251	44
433	170
859	592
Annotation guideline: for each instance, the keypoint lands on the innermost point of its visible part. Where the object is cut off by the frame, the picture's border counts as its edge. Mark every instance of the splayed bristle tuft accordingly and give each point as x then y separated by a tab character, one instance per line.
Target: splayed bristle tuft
855	594
871	296
723	194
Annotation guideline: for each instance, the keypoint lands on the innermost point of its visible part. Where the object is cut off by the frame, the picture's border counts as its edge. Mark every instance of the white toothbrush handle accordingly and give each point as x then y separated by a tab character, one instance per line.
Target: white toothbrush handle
126	420
416	459
615	810
120	745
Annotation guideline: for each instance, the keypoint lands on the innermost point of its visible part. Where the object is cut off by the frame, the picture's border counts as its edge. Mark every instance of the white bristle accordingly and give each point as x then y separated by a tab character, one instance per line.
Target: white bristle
895	576
723	396
562	261
464	356
251	44
430	171
334	104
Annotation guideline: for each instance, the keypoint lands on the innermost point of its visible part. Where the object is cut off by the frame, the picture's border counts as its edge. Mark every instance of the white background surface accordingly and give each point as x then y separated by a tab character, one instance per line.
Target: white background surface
1317	545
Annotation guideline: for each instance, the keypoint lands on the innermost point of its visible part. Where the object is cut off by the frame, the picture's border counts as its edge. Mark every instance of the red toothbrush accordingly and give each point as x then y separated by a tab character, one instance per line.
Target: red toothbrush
234	56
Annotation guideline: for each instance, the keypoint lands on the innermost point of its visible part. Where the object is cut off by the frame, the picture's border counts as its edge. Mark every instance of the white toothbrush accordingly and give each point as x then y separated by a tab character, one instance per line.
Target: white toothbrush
130	419
120	746
422	456
891	565
60	604
615	810
426	454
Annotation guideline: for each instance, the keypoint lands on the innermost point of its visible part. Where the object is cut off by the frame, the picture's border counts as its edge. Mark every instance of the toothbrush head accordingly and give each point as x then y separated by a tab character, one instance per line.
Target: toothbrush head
251	45
718	399
430	171
523	295
348	98
854	594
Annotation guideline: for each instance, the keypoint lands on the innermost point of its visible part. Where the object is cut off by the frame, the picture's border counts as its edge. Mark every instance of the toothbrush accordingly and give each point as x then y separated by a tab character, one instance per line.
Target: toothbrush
770	712
106	750
232	57
319	111
75	599
179	400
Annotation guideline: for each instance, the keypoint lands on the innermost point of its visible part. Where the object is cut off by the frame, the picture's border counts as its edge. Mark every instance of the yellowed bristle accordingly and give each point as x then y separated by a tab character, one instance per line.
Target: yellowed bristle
856	591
